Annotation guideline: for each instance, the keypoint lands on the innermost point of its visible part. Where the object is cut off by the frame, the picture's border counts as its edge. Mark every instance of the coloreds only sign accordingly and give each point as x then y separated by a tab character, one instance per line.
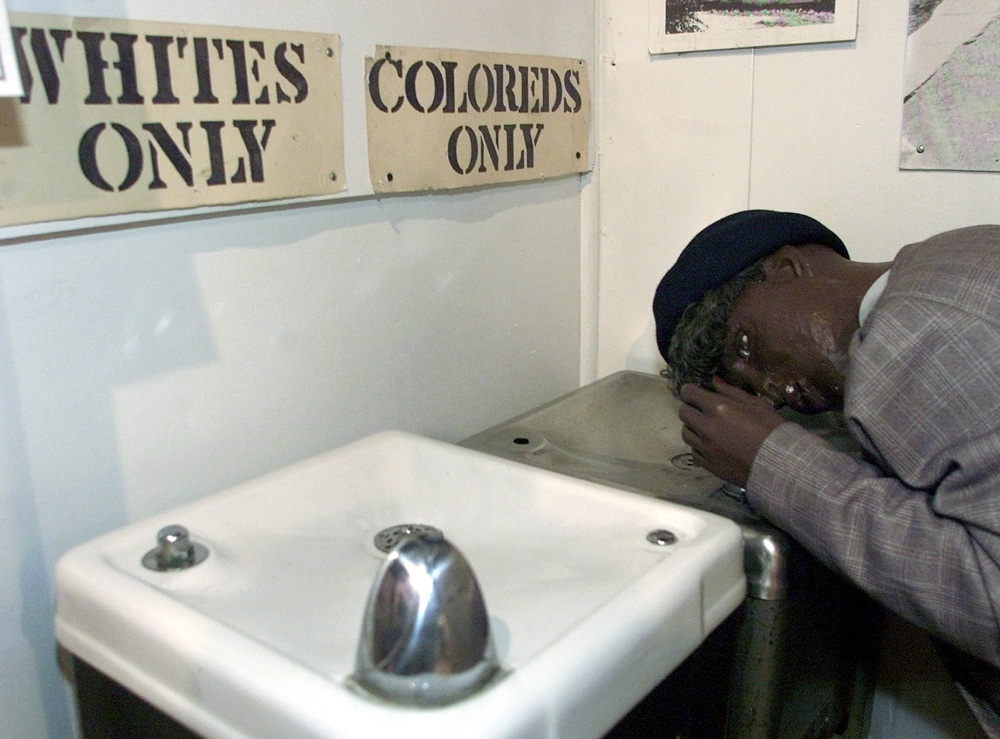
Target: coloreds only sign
448	119
120	116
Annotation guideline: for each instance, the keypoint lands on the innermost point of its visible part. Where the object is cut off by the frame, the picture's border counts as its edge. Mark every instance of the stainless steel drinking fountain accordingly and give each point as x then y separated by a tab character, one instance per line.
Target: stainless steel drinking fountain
795	660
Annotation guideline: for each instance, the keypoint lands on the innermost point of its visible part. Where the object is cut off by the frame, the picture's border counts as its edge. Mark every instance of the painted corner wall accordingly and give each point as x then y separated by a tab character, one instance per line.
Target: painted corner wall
146	361
686	139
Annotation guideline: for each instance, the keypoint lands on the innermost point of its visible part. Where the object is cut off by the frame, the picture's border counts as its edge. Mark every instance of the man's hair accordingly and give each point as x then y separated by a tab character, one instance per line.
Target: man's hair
697	343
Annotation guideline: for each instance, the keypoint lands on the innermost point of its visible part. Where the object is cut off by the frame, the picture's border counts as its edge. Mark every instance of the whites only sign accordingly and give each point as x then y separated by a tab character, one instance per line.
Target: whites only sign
122	116
443	119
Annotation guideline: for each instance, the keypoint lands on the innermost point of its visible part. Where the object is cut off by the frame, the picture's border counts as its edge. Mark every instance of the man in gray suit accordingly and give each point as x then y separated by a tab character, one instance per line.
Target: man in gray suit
765	309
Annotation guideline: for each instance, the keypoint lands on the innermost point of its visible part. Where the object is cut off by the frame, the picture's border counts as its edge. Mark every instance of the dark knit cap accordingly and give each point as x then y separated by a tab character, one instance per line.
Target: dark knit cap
723	250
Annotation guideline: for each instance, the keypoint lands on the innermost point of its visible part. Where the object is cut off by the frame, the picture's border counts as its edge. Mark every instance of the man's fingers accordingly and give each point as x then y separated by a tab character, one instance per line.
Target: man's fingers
704	403
689	437
731	391
689	391
696	395
724	427
739	394
688	414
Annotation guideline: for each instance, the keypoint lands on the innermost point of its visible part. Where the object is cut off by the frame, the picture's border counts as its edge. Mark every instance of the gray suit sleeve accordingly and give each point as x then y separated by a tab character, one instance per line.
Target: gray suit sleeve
936	571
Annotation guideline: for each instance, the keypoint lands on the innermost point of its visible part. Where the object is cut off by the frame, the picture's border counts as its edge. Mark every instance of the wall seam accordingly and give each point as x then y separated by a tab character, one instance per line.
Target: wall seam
590	224
753	91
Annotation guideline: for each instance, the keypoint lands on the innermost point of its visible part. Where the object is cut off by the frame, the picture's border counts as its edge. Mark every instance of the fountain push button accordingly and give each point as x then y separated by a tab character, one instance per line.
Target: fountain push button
174	551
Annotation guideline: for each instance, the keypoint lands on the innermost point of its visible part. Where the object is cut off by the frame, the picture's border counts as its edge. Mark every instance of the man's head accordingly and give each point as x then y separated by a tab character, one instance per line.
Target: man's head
734	305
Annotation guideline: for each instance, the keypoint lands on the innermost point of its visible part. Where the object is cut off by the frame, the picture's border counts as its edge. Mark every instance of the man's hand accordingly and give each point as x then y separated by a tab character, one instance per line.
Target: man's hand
725	428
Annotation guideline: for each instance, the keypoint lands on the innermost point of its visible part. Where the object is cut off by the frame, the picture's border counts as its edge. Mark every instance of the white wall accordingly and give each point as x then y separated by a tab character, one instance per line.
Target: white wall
143	364
684	140
147	362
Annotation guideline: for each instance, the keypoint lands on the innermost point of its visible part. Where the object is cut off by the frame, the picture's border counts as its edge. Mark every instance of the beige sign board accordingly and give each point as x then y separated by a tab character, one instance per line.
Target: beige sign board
122	116
441	119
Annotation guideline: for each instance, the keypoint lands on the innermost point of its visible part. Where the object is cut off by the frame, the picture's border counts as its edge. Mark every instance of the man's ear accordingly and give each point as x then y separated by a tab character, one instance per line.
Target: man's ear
787	261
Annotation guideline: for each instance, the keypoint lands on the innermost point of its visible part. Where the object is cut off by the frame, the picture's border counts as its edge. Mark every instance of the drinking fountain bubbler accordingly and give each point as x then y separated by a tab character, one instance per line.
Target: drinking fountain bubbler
425	636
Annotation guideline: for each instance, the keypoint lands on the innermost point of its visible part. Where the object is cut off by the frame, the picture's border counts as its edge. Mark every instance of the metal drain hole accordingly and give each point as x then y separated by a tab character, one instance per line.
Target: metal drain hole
386	539
661	537
684	461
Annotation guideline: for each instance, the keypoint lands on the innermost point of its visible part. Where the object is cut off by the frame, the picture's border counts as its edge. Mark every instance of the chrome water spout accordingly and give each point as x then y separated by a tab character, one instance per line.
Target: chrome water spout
425	637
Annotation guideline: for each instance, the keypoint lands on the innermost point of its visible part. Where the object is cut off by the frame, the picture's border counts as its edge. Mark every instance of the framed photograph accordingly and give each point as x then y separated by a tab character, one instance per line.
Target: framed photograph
10	76
951	97
677	26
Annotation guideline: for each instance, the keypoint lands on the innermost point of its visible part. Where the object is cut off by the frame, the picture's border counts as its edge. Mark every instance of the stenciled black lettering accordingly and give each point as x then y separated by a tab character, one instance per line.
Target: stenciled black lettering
161	64
538	97
182	164
375	87
96	64
473	86
290	72
239	55
216	156
453	155
44	60
126	68
411	87
571	92
449	87
523	73
87	156
505	88
558	95
203	70
265	94
27	82
509	129
490	147
241	72
528	155
254	150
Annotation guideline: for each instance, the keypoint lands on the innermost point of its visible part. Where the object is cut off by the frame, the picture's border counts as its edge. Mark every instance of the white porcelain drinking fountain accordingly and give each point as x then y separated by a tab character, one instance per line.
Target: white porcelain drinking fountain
401	586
